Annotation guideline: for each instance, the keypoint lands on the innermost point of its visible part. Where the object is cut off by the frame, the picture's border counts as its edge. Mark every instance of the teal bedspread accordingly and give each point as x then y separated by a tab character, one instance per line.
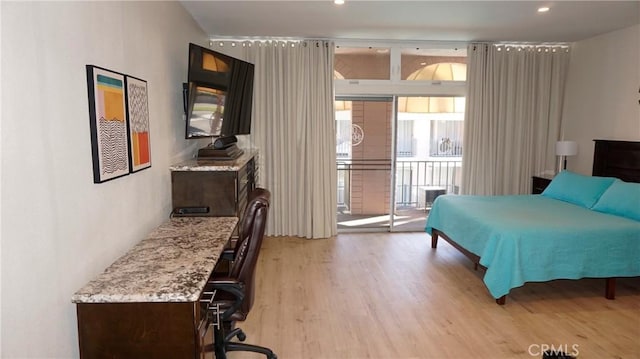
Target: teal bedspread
534	238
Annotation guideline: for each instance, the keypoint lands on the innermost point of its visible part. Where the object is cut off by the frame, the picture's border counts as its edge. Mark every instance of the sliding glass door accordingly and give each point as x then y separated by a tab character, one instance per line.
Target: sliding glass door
428	156
396	162
363	151
399	132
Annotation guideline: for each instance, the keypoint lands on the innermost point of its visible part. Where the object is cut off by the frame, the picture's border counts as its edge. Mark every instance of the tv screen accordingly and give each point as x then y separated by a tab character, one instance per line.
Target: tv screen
207	108
219	94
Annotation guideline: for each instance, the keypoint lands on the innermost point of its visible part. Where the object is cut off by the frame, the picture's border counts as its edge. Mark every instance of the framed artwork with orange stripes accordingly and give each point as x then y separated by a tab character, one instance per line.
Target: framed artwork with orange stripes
138	119
108	123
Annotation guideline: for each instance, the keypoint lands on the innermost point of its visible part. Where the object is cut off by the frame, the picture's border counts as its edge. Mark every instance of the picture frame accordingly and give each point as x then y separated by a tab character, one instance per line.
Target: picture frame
108	123
138	122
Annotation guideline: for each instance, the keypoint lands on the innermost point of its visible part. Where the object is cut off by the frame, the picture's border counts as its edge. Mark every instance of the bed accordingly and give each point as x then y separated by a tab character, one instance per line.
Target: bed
580	227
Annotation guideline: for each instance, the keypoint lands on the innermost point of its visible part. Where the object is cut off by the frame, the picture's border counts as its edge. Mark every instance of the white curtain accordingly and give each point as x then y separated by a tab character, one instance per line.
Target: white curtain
513	116
294	130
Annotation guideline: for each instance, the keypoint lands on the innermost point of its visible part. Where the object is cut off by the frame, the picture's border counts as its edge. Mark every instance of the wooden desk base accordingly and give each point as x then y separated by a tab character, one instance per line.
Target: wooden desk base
142	330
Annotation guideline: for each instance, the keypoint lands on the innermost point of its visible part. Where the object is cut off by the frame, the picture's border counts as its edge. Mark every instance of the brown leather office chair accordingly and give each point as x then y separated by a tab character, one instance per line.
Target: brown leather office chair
235	292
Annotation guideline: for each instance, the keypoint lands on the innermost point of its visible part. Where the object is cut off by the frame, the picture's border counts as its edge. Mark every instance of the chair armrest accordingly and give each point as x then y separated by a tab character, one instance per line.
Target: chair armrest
232	287
229	252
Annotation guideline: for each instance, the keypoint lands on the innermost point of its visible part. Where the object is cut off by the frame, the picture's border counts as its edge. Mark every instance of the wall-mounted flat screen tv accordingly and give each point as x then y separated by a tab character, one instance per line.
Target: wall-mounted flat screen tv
219	94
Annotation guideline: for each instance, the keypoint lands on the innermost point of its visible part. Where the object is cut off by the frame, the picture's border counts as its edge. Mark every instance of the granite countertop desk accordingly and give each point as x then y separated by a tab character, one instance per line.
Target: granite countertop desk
171	265
212	164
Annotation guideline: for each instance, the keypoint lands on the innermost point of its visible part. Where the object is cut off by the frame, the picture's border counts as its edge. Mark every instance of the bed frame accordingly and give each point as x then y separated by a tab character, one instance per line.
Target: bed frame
620	159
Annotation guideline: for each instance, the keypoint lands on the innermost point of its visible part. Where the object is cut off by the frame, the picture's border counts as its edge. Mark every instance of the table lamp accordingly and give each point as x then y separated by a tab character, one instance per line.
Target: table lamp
565	149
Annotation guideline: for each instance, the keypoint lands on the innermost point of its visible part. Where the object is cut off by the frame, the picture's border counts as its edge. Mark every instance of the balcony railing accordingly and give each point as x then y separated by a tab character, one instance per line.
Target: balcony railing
412	177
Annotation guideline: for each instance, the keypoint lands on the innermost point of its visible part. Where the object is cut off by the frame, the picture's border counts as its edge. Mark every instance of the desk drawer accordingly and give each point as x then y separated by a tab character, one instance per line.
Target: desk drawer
215	190
133	330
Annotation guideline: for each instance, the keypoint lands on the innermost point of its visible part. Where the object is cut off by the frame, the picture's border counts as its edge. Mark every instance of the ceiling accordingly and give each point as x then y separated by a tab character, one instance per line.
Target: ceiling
516	21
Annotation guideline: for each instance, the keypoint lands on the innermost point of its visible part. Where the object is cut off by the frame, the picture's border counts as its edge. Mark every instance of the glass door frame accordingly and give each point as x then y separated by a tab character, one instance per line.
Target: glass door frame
445	91
423	171
376	161
395	87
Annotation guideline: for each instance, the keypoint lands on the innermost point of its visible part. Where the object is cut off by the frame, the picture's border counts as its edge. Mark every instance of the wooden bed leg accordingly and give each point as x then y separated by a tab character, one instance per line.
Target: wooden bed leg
501	300
434	238
610	289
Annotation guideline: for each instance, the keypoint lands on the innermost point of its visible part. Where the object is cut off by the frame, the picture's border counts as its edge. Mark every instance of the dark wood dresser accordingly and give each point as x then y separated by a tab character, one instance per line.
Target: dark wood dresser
213	187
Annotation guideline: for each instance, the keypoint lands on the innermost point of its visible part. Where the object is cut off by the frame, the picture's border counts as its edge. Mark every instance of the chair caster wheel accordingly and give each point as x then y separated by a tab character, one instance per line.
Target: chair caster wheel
241	336
272	356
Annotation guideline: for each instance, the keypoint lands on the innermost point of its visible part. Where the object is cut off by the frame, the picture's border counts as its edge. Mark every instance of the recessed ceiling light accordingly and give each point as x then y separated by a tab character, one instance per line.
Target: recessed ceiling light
543	9
338	2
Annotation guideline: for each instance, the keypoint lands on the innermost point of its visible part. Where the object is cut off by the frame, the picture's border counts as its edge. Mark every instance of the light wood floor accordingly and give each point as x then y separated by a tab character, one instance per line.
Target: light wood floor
388	295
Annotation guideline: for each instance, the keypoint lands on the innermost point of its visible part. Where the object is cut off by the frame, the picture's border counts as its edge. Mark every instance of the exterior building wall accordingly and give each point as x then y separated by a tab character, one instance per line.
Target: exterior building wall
370	189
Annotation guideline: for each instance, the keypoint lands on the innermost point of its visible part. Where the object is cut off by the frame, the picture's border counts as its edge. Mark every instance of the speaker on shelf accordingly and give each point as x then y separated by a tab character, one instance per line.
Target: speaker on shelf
223	142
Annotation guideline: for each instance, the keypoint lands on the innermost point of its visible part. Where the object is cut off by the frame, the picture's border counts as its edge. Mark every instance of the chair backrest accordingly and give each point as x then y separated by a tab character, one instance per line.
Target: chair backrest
251	234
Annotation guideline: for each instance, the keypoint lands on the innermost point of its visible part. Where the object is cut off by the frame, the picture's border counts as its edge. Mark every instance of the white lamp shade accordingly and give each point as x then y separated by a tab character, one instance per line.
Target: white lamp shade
566	148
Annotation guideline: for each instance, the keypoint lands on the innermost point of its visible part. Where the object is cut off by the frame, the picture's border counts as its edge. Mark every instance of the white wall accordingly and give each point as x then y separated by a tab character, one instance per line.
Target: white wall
601	100
59	229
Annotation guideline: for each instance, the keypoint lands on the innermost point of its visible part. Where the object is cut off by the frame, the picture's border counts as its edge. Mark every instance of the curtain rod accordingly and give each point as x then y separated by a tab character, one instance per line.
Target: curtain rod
255	38
409	43
259	43
527	43
345	41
